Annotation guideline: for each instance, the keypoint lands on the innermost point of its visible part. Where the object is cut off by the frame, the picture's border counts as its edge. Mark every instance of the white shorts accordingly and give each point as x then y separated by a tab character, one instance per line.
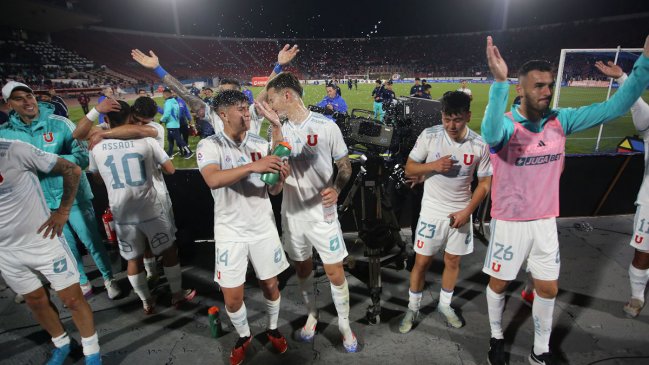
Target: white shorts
512	242
433	232
52	259
132	238
231	260
640	239
167	209
299	238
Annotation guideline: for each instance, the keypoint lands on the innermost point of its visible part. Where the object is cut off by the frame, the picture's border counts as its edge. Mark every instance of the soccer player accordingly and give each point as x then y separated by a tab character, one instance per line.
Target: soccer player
447	155
231	162
309	217
527	155
639	267
377	95
332	103
284	57
35	124
465	89
128	168
24	251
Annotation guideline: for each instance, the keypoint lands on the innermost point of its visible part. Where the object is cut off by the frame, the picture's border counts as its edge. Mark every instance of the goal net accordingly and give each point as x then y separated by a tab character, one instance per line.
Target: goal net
579	83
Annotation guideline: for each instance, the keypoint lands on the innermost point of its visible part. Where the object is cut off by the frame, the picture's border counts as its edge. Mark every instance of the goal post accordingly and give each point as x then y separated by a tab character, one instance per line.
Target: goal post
578	81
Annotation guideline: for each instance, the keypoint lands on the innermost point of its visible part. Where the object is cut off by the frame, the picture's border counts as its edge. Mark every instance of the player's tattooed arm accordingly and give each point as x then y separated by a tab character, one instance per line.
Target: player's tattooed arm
71	174
344	173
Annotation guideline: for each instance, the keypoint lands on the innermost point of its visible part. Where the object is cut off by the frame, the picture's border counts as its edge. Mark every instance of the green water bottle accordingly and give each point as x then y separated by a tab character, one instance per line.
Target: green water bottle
215	322
282	150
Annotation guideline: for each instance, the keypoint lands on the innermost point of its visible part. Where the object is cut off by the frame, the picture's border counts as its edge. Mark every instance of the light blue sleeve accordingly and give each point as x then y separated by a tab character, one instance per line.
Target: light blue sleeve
577	119
496	128
168	109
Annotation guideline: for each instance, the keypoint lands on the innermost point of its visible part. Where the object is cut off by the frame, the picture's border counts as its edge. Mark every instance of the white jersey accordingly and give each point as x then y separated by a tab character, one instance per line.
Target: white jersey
450	192
242	211
158	179
315	143
127	168
640	115
22	205
465	90
160	138
216	122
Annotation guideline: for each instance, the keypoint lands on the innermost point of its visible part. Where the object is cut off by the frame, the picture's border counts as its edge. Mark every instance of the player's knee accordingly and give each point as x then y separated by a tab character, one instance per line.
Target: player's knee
72	302
422	262
546	290
497	285
641	260
270	287
303	268
37	301
335	273
233	303
451	262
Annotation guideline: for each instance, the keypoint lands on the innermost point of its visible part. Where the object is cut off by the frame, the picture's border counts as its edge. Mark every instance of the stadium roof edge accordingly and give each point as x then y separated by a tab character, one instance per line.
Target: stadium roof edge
37	16
253	39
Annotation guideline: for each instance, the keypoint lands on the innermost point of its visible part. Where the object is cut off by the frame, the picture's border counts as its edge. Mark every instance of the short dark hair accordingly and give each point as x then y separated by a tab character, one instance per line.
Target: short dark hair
228	98
140	90
455	102
208	88
144	107
119	117
378	81
166	90
417	79
427	87
226	81
535	65
285	80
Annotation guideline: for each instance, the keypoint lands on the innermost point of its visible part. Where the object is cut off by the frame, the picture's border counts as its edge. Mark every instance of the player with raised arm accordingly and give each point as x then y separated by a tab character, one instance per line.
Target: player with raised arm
527	154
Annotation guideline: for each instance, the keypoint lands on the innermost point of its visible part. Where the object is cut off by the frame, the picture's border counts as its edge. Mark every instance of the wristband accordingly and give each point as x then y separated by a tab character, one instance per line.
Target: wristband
278	68
93	115
161	72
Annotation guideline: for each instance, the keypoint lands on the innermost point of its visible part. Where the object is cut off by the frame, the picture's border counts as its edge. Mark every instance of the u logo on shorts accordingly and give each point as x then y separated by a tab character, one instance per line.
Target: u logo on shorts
638	239
495	267
420	244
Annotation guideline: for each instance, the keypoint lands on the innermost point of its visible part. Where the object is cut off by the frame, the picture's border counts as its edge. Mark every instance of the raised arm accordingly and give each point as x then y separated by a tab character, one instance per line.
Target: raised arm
151	62
640	109
496	129
284	57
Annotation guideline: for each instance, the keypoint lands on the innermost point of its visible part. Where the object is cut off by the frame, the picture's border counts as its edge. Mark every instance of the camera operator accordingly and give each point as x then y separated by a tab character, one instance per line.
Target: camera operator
332	102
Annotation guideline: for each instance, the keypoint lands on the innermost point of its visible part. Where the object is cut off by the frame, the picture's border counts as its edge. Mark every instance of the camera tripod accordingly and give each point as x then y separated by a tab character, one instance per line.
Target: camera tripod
379	230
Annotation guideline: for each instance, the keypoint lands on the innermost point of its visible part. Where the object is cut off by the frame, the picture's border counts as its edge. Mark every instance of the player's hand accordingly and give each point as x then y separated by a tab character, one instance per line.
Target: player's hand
330	107
443	165
414	180
150	61
610	69
458	219
285	171
94	139
269	163
264	109
329	196
54	224
287	54
497	64
108	105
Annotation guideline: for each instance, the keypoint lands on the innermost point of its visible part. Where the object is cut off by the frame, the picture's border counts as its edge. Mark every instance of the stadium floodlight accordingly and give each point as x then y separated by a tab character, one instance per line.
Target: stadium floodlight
587	55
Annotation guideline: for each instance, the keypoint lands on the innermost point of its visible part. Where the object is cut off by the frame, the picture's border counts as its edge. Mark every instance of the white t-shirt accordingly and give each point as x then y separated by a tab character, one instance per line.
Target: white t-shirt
465	90
127	168
158	179
242	211
450	192
217	123
160	138
22	205
315	143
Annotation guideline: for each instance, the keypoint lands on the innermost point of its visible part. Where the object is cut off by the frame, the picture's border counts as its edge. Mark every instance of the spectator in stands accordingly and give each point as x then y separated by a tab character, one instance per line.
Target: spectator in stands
84	100
106	92
465	89
417	90
377	95
58	107
171	117
194	90
4	111
332	102
58	99
248	93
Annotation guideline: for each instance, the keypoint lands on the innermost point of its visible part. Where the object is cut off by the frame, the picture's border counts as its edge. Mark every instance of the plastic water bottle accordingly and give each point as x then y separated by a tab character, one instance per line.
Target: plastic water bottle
329	213
215	322
282	150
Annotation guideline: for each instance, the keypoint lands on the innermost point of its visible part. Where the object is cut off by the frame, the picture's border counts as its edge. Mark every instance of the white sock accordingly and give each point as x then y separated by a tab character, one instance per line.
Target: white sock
495	306
638	279
140	286
174	277
414	300
306	288
239	320
90	344
61	341
340	296
272	308
445	297
150	266
542	309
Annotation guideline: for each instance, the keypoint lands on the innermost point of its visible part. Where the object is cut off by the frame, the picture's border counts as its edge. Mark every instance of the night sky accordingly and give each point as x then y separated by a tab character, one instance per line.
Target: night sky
350	18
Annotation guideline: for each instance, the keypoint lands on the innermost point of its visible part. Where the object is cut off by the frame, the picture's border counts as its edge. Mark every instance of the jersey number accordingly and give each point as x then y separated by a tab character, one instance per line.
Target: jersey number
117	183
507	253
427	227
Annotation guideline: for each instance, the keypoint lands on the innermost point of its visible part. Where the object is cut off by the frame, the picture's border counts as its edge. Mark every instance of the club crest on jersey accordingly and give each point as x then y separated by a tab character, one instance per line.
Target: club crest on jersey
312	139
48	137
468	159
254	156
